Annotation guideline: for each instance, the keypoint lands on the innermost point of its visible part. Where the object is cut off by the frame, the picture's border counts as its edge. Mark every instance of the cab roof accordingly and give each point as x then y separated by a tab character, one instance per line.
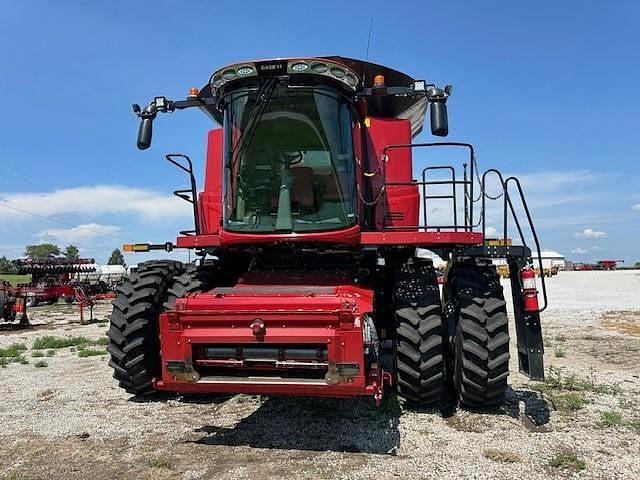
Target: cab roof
412	108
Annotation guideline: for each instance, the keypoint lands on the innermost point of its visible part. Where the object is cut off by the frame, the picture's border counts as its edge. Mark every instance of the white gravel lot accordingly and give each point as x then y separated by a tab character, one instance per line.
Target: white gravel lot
70	420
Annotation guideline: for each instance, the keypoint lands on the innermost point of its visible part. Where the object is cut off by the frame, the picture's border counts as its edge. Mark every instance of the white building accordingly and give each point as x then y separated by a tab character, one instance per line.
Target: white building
549	259
552	259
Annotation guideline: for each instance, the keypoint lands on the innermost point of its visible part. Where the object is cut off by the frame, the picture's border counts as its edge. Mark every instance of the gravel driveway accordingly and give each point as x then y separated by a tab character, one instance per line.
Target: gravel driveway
62	415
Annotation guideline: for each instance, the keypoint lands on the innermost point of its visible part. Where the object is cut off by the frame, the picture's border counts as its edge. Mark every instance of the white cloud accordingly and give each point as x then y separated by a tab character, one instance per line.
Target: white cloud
589	233
636	207
93	201
78	234
554	180
490	232
579	251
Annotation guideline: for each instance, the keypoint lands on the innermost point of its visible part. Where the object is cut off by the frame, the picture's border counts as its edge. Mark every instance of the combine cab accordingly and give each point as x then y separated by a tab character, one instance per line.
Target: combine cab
308	281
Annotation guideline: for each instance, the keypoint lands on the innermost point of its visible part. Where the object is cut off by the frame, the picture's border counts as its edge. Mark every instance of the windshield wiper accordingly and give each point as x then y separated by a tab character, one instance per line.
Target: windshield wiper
263	98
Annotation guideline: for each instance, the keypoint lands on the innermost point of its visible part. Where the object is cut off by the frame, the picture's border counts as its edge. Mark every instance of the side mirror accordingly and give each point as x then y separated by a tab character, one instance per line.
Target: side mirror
145	132
439	119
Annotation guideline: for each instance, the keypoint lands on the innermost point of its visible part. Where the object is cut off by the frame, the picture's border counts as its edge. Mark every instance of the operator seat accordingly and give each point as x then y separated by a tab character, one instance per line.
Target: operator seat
303	191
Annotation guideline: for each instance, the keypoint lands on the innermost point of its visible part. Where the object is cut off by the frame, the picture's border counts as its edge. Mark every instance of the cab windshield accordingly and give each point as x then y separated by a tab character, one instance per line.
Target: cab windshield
289	160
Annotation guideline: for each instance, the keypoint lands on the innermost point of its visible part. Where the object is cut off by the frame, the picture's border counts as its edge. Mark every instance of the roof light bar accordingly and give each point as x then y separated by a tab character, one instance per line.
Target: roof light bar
312	66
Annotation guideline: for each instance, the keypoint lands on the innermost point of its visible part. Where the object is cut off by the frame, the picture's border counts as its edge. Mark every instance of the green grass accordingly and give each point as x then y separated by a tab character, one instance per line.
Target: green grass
610	418
560	338
18	476
159	463
40	364
51	353
12	350
556	380
51	342
573	400
14	353
37	353
559	353
567	460
90	352
15	279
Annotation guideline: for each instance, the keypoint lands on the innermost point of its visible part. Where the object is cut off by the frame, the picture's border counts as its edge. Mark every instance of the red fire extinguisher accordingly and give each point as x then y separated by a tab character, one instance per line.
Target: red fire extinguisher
529	290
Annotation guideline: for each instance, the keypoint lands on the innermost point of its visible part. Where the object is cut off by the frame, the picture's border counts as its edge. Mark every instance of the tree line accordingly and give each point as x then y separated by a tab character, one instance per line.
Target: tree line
49	250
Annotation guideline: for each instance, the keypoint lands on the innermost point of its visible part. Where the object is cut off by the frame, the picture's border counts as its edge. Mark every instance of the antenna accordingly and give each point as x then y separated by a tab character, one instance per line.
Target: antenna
366	57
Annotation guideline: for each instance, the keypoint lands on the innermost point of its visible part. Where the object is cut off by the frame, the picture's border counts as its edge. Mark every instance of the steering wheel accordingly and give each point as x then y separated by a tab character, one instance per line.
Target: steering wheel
288	159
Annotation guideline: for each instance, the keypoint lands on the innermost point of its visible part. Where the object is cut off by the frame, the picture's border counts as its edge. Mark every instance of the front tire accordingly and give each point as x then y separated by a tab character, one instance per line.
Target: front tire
134	342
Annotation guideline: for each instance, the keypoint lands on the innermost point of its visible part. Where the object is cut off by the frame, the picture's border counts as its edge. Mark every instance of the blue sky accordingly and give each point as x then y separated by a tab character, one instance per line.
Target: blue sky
548	90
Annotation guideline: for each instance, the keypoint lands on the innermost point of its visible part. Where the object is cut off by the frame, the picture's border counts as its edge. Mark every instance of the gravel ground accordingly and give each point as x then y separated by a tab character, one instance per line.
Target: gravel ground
70	420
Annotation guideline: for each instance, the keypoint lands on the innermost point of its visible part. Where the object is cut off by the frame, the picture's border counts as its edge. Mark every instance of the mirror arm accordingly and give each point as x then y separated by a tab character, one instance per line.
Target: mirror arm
162	105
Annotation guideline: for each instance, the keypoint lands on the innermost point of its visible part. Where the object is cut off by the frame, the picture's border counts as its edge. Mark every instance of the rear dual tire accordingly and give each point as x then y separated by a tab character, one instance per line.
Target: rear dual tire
419	352
480	347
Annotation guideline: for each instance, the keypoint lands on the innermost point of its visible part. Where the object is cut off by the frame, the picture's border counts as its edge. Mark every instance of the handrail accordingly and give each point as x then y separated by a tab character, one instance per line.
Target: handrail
468	184
193	190
533	232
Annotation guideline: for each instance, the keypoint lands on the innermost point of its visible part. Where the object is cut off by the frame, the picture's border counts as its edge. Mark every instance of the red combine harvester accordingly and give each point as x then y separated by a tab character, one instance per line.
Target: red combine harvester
51	279
608	264
308	281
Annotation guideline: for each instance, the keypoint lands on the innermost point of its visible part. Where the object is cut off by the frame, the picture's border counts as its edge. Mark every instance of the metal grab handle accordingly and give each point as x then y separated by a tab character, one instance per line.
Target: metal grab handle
188	168
533	232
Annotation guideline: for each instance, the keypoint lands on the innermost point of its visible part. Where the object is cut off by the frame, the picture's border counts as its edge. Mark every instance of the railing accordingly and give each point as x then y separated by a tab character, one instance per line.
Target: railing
189	195
467	184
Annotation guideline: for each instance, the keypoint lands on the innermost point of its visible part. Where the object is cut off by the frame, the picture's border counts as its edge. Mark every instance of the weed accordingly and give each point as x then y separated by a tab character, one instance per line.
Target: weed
610	418
567	460
17	476
40	364
625	403
559	353
50	342
573	400
503	456
90	352
51	353
13	350
560	338
13	354
159	463
37	353
556	380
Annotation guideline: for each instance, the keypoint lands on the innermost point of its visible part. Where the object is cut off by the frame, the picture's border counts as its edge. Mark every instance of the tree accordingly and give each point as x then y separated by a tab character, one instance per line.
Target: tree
116	258
42	250
72	252
6	266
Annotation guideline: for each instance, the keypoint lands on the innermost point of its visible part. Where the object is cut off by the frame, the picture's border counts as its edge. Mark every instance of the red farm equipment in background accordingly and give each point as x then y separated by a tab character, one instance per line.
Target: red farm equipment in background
13	309
52	279
307	281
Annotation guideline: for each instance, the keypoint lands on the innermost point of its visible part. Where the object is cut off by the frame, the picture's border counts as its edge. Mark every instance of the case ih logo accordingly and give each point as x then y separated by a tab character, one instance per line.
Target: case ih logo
271	68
